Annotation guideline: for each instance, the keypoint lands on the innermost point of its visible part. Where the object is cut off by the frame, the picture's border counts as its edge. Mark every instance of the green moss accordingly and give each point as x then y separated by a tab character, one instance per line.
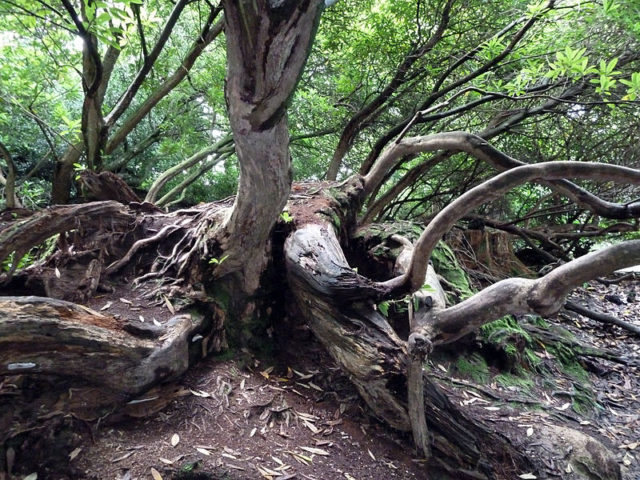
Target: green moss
474	367
507	380
446	264
539	322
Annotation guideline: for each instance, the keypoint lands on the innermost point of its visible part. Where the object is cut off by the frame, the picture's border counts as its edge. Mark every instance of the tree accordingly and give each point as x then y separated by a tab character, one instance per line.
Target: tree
217	258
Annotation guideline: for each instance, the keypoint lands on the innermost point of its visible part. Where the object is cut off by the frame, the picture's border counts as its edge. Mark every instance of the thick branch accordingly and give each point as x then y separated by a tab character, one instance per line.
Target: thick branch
481	149
268	43
91	84
20	236
543	296
491	190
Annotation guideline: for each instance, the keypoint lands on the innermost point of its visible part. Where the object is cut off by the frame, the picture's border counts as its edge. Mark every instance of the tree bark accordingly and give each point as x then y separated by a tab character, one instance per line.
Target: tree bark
359	339
47	336
267	46
10	182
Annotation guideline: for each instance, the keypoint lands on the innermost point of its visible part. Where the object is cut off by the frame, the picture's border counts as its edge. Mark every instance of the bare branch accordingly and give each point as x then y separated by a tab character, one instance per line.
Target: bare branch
372	108
147	65
481	149
543	296
209	32
491	190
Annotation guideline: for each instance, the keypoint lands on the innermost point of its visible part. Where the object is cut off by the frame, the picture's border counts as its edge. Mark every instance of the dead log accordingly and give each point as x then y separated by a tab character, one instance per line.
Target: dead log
46	336
602	317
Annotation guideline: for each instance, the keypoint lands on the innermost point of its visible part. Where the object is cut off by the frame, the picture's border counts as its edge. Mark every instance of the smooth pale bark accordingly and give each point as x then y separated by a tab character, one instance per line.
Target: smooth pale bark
267	46
515	296
486	192
180	189
479	148
172	172
423	304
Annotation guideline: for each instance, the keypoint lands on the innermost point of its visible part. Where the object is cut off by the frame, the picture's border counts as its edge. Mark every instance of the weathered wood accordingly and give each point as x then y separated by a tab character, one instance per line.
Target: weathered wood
45	336
21	235
361	341
423	304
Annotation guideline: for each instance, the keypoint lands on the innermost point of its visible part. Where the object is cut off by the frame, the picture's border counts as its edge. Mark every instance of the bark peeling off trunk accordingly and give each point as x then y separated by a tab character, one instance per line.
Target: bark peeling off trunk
357	337
361	341
47	336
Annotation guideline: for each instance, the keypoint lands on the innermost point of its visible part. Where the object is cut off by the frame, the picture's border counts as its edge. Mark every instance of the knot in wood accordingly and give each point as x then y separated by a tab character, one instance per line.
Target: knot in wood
419	344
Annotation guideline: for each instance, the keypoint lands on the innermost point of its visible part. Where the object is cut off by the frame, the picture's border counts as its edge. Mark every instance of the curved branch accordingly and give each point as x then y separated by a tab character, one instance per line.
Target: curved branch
490	190
180	167
20	236
166	199
543	296
479	148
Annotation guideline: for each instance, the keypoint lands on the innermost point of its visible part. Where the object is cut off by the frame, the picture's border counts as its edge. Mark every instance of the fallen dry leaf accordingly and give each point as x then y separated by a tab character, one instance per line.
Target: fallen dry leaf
169	306
155	474
175	439
317	451
74	453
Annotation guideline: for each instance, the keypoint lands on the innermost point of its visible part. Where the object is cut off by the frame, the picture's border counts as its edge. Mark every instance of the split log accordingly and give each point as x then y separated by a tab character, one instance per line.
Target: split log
361	341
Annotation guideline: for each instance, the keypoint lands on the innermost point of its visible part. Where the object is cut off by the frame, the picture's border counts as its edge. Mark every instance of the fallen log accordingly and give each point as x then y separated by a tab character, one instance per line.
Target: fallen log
41	335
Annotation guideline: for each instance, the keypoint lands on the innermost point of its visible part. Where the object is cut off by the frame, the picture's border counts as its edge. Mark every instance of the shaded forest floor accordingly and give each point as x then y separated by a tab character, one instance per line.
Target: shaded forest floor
240	418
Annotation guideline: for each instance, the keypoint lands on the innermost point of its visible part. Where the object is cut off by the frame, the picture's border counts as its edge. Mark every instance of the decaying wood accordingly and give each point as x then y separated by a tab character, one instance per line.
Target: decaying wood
46	336
21	235
106	186
362	342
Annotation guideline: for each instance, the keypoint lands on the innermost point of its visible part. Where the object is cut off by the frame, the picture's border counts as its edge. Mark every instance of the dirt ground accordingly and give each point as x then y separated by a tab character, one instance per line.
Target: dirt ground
240	418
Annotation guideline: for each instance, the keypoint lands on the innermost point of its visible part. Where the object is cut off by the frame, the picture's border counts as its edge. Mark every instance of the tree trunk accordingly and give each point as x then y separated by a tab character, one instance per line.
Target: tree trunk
62	174
360	340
